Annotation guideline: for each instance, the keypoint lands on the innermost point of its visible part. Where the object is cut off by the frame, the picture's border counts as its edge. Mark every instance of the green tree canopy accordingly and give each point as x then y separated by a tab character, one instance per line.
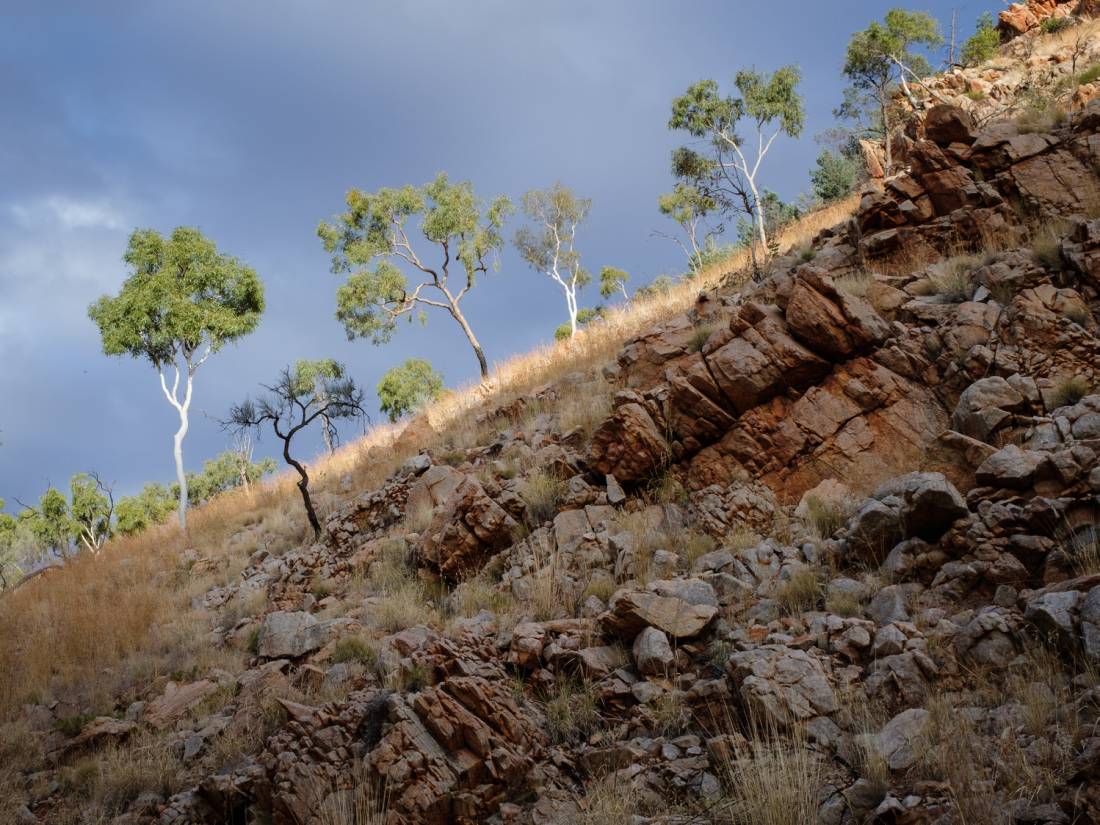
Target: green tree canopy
982	45
148	508
834	175
183	301
91	508
612	280
689	206
226	471
10	571
407	387
549	245
371	243
883	55
585	316
726	170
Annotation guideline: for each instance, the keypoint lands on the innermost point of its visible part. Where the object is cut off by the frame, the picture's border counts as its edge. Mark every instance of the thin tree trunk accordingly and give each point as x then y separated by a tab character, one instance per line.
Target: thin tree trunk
456	313
887	142
181	476
571	305
303	488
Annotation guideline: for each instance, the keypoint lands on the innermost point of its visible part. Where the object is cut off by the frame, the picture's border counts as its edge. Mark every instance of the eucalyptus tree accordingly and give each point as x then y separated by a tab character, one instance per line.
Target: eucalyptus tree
406	387
612	280
91	510
10	572
690	207
371	242
549	245
727	170
183	302
880	59
299	397
312	375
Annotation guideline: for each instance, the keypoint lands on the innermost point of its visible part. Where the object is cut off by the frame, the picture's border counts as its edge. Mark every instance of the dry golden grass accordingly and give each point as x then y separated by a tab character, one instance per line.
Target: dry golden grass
65	631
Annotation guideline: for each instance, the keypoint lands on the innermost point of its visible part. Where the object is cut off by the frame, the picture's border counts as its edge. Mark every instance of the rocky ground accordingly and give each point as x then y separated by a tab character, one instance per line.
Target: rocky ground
824	549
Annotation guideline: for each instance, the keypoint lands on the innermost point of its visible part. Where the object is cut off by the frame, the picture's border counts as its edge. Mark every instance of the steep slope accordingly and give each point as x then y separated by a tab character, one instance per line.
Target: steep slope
821	549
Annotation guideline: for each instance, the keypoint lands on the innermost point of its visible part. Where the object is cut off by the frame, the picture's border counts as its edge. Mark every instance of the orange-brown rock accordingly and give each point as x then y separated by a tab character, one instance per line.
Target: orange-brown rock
629	445
467	528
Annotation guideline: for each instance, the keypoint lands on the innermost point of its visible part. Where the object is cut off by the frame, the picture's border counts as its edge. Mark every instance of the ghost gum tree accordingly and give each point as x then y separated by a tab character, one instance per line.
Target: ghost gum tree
182	303
689	207
373	235
727	169
549	246
300	396
881	58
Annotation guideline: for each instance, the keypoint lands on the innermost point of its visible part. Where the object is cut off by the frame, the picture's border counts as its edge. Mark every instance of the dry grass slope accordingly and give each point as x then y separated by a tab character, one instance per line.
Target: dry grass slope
68	632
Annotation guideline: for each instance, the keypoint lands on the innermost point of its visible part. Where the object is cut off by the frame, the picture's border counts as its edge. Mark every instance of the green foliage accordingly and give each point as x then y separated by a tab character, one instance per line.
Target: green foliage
612	280
982	45
585	316
10	572
182	294
834	176
405	388
90	511
365	240
724	177
777	214
689	206
1053	25
49	522
658	286
225	471
148	508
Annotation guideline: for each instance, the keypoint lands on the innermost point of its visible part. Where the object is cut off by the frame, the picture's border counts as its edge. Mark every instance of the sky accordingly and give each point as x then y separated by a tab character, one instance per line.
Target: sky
250	119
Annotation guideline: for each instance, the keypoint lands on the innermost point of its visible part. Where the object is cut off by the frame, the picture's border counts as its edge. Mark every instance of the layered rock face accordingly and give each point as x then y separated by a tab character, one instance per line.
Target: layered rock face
849	513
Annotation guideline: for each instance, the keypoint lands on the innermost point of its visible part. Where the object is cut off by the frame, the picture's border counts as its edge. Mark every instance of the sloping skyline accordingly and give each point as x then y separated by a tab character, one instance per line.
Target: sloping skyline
251	120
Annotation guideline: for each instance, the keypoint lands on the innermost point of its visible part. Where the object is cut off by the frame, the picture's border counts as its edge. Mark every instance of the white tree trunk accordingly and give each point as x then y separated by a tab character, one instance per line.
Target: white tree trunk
571	304
181	476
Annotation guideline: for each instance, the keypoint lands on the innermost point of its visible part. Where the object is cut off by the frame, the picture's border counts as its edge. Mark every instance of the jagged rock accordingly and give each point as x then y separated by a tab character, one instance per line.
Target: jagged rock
921	505
831	322
985	405
465	530
629	444
652	653
945	125
176	701
782	685
289	634
98	732
898	740
631	611
1012	468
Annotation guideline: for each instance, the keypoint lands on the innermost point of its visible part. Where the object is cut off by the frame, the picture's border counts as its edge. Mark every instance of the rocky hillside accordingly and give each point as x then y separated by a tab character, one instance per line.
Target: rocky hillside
824	549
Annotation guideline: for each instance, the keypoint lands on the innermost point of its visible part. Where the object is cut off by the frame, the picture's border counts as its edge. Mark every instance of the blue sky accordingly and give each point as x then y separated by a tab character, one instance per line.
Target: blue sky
251	119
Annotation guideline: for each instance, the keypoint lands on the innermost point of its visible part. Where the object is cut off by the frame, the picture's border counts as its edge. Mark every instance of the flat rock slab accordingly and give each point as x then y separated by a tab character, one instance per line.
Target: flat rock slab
631	611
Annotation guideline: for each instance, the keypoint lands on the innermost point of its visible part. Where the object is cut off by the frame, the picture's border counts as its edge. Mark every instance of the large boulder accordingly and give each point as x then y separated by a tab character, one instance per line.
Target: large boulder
985	405
629	444
916	505
1013	468
830	322
289	634
631	611
944	125
782	685
465	530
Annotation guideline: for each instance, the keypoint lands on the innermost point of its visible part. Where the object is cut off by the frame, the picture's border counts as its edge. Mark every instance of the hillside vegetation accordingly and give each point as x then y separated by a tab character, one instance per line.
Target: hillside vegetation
810	537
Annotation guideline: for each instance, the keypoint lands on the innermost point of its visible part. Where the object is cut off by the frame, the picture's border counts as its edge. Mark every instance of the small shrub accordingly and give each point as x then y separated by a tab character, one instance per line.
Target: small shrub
609	801
572	712
776	782
670	713
1089	75
1041	116
1069	391
800	592
977	94
954	281
700	335
477	594
1046	249
843	603
982	45
253	643
1083	548
1053	25
807	254
665	488
355	649
825	516
72	725
543	493
405	607
602	588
